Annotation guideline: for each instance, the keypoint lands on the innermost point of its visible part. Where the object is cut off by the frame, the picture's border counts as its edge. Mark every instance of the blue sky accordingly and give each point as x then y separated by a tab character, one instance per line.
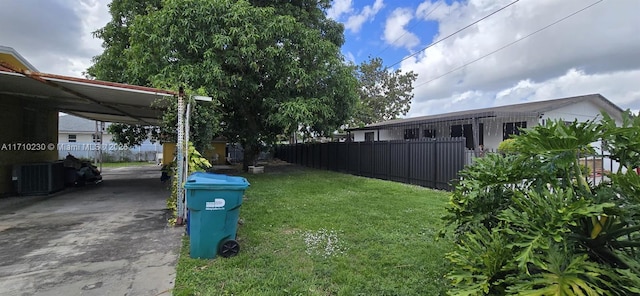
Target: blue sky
369	38
594	51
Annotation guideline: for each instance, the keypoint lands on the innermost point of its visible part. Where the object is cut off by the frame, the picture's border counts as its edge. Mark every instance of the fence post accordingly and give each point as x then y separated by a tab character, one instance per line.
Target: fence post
435	164
408	161
347	158
360	158
389	160
373	159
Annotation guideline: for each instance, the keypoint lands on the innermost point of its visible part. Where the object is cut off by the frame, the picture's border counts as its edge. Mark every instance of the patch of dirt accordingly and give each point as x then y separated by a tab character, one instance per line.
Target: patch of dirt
274	166
289	231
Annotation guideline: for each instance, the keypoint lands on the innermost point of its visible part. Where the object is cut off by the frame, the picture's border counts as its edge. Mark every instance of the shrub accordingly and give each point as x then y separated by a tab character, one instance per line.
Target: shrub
197	163
507	146
530	224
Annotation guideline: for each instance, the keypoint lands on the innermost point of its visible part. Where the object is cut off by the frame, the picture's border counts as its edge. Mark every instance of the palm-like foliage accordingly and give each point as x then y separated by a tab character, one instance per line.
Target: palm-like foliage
480	262
556	233
561	273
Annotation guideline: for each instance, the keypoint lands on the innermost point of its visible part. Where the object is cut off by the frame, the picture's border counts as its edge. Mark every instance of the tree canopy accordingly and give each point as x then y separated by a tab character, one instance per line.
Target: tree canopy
111	65
384	94
274	66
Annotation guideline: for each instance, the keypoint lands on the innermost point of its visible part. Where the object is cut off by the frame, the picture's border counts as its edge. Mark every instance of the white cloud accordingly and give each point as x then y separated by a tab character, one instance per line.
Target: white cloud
592	52
395	32
428	10
615	86
350	57
354	22
95	16
338	8
54	36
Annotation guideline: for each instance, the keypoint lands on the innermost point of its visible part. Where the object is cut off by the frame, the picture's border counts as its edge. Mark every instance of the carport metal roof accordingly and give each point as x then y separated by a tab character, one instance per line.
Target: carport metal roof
92	99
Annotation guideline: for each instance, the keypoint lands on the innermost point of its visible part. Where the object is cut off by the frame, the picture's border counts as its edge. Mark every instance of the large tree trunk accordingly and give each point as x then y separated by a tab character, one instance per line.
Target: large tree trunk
249	157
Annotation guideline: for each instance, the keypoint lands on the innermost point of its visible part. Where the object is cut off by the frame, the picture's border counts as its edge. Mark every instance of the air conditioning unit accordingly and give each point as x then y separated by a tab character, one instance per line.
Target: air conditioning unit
38	178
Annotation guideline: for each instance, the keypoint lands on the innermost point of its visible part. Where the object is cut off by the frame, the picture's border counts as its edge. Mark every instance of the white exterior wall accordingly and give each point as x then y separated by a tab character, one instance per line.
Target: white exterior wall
63	137
358	136
493	127
582	111
385	135
493	130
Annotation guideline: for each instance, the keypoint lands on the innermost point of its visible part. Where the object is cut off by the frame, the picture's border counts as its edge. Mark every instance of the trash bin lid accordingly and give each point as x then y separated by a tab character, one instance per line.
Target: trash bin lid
201	180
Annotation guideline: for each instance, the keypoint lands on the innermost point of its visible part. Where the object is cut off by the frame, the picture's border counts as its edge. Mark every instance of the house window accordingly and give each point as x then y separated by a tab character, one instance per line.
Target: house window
368	137
466	130
411	133
72	138
96	138
512	128
428	133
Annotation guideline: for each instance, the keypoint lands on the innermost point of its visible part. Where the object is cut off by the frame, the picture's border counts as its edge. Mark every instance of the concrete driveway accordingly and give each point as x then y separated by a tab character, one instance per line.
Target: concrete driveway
105	239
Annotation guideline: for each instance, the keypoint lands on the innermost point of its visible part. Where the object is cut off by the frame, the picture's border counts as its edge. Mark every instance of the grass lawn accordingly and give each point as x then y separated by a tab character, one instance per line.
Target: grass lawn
311	232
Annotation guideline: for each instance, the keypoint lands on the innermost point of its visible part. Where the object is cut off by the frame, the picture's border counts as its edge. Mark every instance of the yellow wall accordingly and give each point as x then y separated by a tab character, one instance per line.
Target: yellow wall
168	153
216	148
24	123
13	62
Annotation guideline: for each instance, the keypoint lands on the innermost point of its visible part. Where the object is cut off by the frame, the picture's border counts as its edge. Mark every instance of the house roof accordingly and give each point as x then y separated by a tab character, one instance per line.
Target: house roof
532	109
75	124
14	59
91	99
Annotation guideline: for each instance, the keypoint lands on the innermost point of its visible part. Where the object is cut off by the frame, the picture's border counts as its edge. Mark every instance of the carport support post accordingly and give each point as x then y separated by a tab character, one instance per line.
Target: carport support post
187	129
100	150
180	159
96	142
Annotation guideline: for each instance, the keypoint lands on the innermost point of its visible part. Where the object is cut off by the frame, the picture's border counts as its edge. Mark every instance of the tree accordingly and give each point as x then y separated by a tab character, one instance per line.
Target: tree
311	13
129	134
272	73
111	64
384	94
204	123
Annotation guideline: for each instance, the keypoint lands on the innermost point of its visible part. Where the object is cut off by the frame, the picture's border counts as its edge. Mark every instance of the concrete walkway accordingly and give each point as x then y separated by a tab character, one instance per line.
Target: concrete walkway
105	239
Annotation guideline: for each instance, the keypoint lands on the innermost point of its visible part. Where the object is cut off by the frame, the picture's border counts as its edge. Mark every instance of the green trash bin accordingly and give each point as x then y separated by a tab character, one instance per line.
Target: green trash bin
213	202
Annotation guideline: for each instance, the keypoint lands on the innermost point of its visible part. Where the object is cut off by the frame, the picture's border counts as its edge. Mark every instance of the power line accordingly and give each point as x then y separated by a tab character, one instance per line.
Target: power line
407	31
454	33
511	43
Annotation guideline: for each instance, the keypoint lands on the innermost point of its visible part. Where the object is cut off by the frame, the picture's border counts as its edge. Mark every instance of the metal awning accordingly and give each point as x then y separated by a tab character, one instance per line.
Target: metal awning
91	99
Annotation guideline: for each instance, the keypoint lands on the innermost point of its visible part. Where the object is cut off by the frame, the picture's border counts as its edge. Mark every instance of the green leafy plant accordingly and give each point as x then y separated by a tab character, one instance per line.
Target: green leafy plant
560	273
480	262
529	223
506	146
196	163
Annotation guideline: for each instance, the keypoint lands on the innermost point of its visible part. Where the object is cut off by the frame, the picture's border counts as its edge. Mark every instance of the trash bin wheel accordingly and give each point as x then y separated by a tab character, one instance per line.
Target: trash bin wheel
229	248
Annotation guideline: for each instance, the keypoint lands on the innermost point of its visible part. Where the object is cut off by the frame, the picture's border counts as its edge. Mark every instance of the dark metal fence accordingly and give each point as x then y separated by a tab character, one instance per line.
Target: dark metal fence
432	163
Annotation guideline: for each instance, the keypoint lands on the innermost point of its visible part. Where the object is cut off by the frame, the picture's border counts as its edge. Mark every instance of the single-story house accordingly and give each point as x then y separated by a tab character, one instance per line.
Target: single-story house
82	137
489	126
74	129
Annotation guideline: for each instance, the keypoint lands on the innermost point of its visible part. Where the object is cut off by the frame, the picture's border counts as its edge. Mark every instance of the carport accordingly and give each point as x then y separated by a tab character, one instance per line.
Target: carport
107	239
30	102
110	239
